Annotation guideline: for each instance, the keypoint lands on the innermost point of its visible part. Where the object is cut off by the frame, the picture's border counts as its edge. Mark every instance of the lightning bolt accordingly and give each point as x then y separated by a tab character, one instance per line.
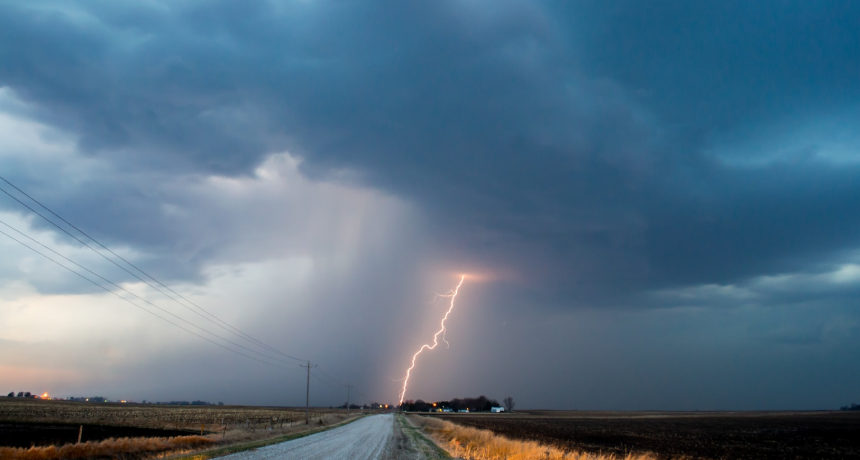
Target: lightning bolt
452	295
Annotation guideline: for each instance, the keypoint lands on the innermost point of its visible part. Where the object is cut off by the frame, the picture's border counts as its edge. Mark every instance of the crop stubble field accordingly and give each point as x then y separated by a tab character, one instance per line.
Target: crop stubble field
144	415
34	422
697	435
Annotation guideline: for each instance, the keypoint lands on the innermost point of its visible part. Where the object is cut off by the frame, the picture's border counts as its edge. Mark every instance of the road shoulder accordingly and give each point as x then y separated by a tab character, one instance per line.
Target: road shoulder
415	441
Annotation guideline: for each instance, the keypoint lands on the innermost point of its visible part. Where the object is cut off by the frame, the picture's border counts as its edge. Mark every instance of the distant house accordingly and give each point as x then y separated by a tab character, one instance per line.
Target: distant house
464	410
447	409
497	409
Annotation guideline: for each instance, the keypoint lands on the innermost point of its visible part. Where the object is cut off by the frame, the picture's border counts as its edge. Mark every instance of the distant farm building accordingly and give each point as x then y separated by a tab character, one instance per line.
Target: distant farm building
497	409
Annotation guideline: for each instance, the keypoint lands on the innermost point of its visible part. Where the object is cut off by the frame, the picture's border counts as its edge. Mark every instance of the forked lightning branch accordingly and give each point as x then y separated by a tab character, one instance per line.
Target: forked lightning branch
453	296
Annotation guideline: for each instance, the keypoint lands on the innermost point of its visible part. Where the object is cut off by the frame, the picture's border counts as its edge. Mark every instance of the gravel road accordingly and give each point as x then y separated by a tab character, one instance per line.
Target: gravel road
374	437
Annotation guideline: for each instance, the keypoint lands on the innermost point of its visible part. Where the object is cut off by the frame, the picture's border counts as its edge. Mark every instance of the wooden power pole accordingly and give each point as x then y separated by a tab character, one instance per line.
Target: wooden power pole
348	386
308	393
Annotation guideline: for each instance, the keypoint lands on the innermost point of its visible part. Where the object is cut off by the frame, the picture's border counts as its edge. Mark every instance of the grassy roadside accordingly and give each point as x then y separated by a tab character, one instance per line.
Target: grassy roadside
426	446
220	452
473	443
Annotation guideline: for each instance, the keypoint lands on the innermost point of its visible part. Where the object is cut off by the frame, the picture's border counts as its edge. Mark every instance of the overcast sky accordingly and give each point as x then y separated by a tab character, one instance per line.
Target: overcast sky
656	204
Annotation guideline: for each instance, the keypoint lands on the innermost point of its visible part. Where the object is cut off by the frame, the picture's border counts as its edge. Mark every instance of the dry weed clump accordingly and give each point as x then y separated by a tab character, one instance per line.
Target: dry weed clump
475	444
109	448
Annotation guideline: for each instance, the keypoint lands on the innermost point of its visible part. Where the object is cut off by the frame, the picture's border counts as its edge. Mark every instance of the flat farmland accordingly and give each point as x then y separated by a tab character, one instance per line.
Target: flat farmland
27	422
27	434
673	435
147	415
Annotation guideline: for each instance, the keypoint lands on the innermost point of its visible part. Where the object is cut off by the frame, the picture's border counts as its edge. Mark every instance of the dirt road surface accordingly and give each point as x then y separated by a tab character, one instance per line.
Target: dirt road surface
374	437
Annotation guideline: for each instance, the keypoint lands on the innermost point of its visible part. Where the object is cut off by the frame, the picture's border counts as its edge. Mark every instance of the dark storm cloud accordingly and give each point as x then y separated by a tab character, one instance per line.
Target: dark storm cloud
712	67
576	142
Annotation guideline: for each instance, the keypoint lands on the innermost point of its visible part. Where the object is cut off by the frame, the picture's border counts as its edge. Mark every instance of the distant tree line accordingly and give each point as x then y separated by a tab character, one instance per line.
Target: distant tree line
102	399
351	406
186	403
853	406
416	405
479	404
373	405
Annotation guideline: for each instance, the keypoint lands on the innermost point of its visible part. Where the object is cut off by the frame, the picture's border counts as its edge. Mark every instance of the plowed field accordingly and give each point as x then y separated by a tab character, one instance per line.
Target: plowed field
764	436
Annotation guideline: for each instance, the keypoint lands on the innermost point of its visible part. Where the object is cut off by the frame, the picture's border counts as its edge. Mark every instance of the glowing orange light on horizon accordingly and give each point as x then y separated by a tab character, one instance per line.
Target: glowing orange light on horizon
452	295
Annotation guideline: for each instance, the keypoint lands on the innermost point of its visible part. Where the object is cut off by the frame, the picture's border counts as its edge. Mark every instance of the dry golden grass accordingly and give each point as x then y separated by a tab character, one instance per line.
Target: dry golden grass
474	444
227	426
151	448
109	448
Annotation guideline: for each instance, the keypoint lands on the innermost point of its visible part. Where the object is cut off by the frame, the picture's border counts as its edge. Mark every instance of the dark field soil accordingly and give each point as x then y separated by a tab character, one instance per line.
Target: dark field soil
46	434
759	436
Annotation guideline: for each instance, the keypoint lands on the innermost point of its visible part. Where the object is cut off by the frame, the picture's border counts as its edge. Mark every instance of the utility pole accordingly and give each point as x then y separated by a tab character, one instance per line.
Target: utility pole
348	386
308	393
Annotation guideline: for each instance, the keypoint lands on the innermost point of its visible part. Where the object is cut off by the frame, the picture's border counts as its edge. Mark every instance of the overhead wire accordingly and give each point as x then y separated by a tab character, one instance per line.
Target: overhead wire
138	306
223	324
327	380
231	329
330	377
139	297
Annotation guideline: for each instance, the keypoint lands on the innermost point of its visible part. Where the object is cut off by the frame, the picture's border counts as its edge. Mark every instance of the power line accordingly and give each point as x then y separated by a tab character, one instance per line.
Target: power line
139	297
231	329
328	382
308	393
330	377
136	305
223	324
348	387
